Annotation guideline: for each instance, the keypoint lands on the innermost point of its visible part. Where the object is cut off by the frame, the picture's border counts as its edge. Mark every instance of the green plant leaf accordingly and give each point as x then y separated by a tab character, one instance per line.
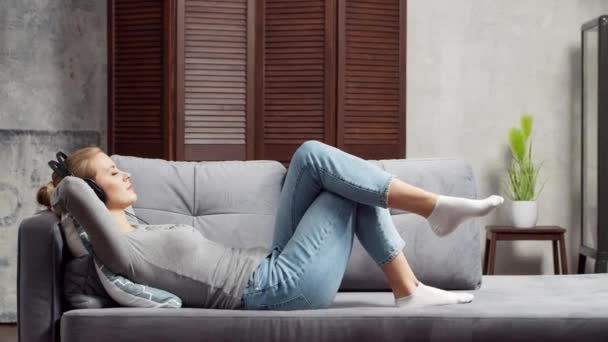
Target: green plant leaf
526	126
523	172
518	146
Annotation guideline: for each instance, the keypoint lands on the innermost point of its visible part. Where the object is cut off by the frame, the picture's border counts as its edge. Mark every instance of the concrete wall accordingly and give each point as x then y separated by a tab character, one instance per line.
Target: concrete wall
53	65
52	96
474	66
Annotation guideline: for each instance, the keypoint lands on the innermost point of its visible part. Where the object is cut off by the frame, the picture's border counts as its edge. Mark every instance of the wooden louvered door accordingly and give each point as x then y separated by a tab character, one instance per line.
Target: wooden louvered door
254	79
296	71
215	50
139	114
333	71
371	78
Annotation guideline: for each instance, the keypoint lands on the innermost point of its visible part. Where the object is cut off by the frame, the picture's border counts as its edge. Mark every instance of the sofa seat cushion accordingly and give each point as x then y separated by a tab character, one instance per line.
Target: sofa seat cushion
513	307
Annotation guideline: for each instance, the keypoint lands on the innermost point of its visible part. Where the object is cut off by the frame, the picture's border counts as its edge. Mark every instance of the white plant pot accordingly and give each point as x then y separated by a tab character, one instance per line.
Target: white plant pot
524	214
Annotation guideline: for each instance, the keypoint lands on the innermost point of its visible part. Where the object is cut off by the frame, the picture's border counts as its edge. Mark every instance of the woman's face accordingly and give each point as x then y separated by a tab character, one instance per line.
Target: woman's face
116	183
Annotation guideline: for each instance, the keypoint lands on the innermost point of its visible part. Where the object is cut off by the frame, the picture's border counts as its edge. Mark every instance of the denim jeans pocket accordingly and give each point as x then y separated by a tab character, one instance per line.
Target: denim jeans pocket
296	303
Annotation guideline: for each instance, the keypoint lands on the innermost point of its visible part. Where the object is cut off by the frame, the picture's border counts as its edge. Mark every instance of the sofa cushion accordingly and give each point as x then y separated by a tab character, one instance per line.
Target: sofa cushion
234	202
521	308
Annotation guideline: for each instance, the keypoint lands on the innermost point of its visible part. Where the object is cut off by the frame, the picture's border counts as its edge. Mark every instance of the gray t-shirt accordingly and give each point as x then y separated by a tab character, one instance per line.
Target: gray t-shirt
173	257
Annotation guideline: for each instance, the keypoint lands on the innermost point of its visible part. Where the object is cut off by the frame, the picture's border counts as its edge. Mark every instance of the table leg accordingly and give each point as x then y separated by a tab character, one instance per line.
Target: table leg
555	258
562	248
492	255
485	257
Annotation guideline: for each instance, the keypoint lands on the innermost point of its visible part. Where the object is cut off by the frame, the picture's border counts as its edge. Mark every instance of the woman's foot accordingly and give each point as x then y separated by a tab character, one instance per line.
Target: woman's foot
449	212
427	295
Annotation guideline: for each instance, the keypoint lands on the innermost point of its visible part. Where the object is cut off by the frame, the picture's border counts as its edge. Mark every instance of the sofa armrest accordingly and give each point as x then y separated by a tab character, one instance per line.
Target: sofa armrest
41	254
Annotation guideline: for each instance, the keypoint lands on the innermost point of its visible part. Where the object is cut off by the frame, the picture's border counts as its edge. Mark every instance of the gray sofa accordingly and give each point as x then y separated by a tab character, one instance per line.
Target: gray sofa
234	202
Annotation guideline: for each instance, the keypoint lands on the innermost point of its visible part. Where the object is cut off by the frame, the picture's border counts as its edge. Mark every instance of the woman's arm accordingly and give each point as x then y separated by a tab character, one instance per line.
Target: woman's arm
75	196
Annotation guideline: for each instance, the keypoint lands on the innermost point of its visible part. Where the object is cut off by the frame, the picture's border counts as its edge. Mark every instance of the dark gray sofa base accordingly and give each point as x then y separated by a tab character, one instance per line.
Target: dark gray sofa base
525	308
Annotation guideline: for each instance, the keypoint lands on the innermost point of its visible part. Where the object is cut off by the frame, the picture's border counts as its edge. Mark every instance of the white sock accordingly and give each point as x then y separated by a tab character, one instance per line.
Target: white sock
449	212
427	295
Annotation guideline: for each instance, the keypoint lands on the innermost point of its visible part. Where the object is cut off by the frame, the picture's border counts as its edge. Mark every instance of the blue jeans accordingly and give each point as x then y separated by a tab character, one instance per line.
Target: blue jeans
327	197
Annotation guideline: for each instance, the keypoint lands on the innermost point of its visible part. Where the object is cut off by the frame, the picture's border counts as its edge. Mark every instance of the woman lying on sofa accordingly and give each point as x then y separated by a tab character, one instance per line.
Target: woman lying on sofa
313	233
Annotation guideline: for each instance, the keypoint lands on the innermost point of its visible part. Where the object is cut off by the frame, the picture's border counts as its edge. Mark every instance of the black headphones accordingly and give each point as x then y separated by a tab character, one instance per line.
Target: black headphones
61	168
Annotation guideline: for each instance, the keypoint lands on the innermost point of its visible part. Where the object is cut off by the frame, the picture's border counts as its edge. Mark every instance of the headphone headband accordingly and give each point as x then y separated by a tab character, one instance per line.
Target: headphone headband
61	167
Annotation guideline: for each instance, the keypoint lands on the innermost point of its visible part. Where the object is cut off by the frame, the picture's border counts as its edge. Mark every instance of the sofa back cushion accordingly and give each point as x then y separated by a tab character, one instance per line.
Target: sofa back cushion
234	202
231	202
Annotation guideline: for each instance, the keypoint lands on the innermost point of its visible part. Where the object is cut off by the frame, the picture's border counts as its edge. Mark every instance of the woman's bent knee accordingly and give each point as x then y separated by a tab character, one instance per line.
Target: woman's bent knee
307	148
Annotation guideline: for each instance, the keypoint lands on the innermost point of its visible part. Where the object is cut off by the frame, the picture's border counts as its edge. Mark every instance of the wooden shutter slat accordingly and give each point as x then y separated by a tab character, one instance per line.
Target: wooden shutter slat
193	16
220	49
195	66
213	116
212	72
216	95
211	124
217	38
212	44
214	9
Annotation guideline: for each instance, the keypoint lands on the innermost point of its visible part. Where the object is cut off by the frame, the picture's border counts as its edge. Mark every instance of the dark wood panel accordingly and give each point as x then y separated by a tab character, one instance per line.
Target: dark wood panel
297	82
137	76
371	78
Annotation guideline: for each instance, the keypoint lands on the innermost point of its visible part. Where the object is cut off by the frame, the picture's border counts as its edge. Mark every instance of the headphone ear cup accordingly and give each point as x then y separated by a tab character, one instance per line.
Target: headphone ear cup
97	189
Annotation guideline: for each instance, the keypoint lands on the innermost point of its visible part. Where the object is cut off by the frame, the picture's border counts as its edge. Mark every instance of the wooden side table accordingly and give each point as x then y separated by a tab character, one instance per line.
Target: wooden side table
553	233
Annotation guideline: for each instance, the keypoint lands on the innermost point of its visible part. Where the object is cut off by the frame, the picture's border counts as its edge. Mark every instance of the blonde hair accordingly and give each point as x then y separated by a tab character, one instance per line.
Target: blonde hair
79	165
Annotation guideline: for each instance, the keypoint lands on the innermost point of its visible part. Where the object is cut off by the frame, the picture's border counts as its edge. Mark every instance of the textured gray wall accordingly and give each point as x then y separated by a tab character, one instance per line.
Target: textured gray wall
53	65
52	96
474	66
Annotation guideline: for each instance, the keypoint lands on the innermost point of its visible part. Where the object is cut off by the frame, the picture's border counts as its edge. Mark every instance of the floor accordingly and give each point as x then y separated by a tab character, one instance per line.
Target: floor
8	332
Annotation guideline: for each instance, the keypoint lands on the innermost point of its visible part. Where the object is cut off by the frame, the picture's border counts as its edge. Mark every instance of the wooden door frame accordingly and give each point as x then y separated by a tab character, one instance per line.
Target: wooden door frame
170	84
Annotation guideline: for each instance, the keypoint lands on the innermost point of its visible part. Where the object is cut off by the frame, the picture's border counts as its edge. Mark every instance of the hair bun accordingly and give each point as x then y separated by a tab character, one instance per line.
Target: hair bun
44	194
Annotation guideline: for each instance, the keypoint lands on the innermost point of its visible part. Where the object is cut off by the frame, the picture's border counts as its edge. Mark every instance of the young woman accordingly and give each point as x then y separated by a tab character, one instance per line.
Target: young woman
328	196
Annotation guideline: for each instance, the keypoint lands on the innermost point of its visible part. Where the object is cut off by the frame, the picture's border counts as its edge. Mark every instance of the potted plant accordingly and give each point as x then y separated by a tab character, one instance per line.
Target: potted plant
523	174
